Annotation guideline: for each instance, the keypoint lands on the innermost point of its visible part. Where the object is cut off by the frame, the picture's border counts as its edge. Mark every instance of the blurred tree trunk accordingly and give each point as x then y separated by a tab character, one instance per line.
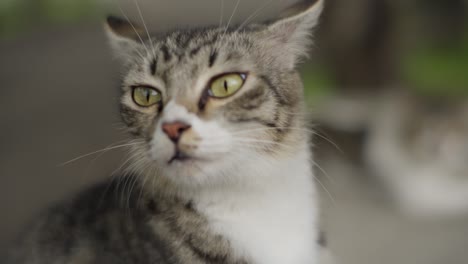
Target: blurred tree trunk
446	21
358	43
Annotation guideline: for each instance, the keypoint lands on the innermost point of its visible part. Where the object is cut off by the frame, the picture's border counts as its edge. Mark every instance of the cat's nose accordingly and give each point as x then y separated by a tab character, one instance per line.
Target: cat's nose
174	130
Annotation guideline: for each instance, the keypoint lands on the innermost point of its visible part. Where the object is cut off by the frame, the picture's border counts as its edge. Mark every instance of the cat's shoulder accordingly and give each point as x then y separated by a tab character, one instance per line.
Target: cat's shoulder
74	225
118	195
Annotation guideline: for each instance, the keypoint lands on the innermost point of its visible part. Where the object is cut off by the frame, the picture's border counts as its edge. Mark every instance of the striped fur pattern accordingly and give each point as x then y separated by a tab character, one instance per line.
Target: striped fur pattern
144	230
244	191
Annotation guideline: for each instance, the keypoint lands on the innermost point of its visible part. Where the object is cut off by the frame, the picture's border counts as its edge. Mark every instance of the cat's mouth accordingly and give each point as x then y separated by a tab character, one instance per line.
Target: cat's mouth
180	156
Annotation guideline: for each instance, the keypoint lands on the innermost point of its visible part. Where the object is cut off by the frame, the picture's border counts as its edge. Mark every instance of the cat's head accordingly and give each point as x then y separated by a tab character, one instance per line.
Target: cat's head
205	102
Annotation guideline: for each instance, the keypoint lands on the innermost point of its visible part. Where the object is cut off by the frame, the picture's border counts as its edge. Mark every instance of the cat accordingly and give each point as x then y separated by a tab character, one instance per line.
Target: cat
418	147
221	168
415	145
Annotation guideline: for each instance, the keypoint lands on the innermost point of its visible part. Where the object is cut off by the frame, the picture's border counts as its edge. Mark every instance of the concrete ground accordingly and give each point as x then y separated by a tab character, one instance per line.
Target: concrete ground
58	100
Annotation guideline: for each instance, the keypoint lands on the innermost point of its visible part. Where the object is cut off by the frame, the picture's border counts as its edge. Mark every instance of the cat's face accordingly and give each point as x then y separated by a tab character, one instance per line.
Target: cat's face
205	102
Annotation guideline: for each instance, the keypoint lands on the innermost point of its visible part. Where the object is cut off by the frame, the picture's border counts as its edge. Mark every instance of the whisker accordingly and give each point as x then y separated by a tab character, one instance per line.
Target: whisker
113	177
254	14
122	196
248	140
142	186
119	126
299	113
227	25
144	25
240	132
111	145
130	157
326	190
88	167
98	151
134	29
130	184
232	15
120	168
323	171
153	182
222	14
330	141
132	187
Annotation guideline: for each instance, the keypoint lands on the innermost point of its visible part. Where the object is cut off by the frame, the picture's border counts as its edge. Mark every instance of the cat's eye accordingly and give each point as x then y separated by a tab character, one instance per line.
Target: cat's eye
146	96
226	85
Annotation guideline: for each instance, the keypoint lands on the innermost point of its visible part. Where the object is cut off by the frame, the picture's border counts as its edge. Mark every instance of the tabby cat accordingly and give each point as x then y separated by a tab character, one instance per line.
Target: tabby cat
221	160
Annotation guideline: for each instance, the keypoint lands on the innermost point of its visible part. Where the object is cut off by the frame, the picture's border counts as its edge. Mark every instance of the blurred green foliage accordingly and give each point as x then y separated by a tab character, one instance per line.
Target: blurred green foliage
318	81
12	16
438	71
69	10
20	15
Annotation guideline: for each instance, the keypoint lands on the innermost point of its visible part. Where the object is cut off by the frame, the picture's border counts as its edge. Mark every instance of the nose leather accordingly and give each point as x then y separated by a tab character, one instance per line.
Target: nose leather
174	130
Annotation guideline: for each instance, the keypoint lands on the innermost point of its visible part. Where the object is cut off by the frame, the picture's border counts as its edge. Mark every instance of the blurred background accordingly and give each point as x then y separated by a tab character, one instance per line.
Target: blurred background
387	87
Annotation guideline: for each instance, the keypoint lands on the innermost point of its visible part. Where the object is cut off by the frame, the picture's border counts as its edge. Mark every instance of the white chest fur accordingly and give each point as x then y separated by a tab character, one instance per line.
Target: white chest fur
271	221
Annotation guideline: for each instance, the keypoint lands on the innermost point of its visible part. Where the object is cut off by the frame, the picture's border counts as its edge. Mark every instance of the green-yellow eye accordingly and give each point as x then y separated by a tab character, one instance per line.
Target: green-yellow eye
226	85
146	96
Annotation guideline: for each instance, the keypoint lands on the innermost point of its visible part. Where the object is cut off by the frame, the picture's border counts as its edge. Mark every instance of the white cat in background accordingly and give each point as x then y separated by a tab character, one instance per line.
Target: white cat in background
418	148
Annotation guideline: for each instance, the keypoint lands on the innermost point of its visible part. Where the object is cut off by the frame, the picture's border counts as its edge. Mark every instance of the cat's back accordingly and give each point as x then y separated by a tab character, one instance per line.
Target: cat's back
106	223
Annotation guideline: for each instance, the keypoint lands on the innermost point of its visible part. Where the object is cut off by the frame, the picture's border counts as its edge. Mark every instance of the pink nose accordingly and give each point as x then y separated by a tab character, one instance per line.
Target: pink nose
174	130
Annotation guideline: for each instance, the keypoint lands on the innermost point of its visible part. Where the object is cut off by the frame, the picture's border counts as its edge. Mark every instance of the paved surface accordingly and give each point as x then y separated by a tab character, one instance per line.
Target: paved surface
58	100
365	228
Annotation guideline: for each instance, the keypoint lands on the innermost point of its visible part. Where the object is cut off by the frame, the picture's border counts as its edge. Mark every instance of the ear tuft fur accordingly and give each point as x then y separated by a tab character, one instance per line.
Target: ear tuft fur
124	36
292	32
124	28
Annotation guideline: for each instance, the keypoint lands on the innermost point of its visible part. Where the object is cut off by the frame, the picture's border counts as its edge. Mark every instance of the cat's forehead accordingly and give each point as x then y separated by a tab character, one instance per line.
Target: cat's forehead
203	46
209	36
182	55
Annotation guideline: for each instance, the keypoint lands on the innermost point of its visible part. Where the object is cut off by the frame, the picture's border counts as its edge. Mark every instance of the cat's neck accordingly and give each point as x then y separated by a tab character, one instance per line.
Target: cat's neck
263	176
273	220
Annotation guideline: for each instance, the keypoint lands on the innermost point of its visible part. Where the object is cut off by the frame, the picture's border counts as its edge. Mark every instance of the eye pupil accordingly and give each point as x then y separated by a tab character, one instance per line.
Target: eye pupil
226	85
146	96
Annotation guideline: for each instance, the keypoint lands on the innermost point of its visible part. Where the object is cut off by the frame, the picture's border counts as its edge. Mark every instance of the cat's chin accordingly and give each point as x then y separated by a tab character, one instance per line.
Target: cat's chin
182	158
182	162
186	166
196	172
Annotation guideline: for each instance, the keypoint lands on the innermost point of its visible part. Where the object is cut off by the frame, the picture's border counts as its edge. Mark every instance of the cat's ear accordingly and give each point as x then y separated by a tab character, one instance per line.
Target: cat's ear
124	36
291	34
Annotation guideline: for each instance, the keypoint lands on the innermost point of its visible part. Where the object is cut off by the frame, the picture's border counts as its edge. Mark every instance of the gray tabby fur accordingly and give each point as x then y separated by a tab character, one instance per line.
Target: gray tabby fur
160	222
